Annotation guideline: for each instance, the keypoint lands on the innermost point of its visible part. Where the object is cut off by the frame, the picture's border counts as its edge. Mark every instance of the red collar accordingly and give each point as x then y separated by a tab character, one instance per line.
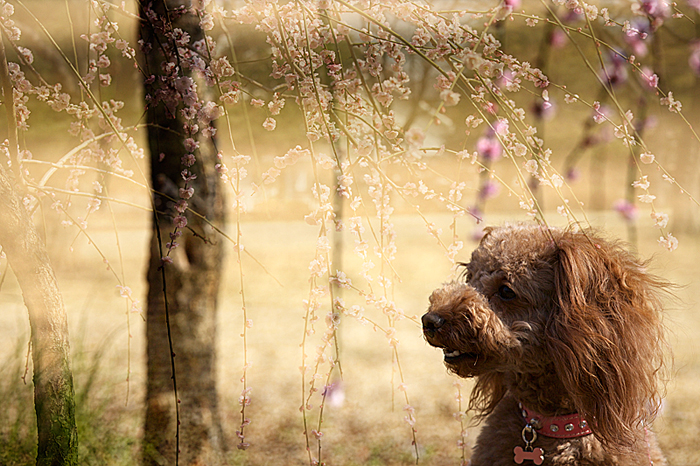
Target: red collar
568	426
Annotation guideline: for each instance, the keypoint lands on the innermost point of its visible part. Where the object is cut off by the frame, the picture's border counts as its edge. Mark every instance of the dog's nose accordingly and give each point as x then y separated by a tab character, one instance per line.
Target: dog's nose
431	323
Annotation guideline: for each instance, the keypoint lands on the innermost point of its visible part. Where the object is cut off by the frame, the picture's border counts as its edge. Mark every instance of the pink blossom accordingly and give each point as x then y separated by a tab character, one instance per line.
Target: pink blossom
636	37
269	124
615	71
602	112
449	98
221	67
209	112
186	193
647	157
544	109
558	39
420	37
573	174
650	78
191	145
489	189
673	105
627	209
660	219
415	137
188	160
188	175
180	221
127	51
26	54
180	37
275	105
656	10
669	242
489	148
207	22
501	126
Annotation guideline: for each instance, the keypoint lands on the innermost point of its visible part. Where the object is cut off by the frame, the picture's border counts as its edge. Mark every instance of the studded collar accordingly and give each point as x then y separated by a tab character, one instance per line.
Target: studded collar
567	426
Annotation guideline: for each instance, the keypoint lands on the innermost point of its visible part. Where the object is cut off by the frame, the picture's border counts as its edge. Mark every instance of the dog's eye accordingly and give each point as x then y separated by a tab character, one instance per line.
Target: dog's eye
506	293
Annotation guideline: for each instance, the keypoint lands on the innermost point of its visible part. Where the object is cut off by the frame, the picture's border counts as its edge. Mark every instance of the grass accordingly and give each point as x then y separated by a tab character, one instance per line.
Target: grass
103	425
18	439
368	427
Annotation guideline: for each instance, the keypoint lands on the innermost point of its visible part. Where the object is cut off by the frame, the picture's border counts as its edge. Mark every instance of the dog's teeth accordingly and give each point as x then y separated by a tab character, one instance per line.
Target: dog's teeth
451	354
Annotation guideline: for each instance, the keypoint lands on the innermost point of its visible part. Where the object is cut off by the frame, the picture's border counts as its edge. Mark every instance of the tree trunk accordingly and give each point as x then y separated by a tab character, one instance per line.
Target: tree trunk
53	380
181	313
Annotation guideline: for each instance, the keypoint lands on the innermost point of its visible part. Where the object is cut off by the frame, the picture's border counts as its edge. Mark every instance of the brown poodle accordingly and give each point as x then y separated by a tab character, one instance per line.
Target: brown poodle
562	332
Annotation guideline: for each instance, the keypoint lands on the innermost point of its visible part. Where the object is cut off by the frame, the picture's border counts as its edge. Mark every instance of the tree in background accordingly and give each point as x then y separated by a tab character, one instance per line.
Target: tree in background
54	396
186	256
53	380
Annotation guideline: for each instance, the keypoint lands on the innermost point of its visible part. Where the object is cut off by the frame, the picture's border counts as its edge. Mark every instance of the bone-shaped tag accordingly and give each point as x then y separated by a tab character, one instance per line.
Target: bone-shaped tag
536	455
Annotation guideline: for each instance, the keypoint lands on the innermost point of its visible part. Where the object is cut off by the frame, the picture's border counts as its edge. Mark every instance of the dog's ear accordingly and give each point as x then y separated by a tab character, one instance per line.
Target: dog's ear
605	335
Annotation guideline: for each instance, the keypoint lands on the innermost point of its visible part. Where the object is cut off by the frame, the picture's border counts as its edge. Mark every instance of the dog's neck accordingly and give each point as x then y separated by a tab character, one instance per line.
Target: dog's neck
563	427
541	392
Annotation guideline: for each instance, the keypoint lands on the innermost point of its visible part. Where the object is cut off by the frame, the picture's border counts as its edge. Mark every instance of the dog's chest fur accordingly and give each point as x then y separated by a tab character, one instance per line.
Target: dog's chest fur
501	432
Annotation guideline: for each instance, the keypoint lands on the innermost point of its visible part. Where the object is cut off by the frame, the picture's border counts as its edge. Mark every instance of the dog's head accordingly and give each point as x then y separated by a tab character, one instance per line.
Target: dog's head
557	305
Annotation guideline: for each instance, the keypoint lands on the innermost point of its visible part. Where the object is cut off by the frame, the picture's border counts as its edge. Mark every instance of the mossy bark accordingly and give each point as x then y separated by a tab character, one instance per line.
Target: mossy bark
54	397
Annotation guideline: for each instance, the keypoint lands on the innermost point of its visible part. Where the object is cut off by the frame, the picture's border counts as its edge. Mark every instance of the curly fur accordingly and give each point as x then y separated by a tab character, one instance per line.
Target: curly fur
563	322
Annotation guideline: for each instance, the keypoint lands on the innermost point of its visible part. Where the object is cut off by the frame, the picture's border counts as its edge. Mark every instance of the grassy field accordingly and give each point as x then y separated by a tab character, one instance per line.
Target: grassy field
363	426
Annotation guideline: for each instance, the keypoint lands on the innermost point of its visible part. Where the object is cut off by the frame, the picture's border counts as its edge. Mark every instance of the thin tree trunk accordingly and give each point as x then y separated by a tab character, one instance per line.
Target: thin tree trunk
181	313
53	380
54	396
